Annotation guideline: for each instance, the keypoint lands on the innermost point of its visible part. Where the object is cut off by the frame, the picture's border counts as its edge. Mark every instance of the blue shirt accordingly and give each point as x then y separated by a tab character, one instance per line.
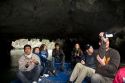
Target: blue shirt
43	55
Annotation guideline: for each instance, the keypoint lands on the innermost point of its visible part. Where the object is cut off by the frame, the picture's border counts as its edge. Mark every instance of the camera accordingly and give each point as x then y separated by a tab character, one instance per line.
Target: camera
108	35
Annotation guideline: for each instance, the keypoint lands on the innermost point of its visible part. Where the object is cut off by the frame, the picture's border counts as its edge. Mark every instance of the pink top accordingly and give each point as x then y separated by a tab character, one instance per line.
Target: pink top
120	76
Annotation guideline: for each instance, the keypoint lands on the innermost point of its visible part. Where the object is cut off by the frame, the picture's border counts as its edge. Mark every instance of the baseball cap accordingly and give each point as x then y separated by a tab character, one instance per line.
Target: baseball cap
87	46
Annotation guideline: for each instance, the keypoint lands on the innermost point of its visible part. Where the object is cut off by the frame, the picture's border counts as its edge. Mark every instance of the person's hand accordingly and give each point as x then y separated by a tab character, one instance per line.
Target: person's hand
101	61
101	34
77	54
82	62
35	62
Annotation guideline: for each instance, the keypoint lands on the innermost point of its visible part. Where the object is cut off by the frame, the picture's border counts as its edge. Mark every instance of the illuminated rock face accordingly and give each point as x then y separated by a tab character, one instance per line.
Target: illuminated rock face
19	44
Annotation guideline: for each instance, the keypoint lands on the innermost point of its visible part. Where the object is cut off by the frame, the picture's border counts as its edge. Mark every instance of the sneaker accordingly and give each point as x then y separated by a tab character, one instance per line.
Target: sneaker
52	73
34	82
70	82
39	80
45	75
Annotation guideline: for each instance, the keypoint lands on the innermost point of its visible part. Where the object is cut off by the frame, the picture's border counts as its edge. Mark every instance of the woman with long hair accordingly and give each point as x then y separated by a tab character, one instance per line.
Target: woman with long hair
76	54
43	53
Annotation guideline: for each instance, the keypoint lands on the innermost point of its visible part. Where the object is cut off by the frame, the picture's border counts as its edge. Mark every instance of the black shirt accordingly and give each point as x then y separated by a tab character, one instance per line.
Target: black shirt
90	60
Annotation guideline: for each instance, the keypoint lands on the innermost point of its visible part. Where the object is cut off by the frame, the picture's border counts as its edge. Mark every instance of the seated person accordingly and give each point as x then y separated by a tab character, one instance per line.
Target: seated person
76	55
58	56
36	50
107	63
85	68
43	54
120	76
29	66
48	68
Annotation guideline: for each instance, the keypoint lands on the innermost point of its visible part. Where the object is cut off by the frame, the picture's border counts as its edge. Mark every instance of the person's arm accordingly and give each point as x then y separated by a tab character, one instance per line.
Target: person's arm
46	54
81	53
73	53
83	59
36	60
62	53
113	65
102	48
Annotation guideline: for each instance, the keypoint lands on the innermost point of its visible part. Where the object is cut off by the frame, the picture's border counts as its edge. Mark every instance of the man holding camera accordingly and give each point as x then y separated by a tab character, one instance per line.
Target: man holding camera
29	66
108	61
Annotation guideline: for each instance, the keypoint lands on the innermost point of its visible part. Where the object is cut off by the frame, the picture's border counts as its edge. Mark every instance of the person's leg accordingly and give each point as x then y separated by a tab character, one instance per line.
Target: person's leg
22	77
53	62
108	80
85	71
62	63
51	70
90	71
79	71
37	70
97	78
75	72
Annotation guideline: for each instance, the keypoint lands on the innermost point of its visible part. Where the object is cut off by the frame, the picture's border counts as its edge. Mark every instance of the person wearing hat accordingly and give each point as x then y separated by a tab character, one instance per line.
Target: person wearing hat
86	68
